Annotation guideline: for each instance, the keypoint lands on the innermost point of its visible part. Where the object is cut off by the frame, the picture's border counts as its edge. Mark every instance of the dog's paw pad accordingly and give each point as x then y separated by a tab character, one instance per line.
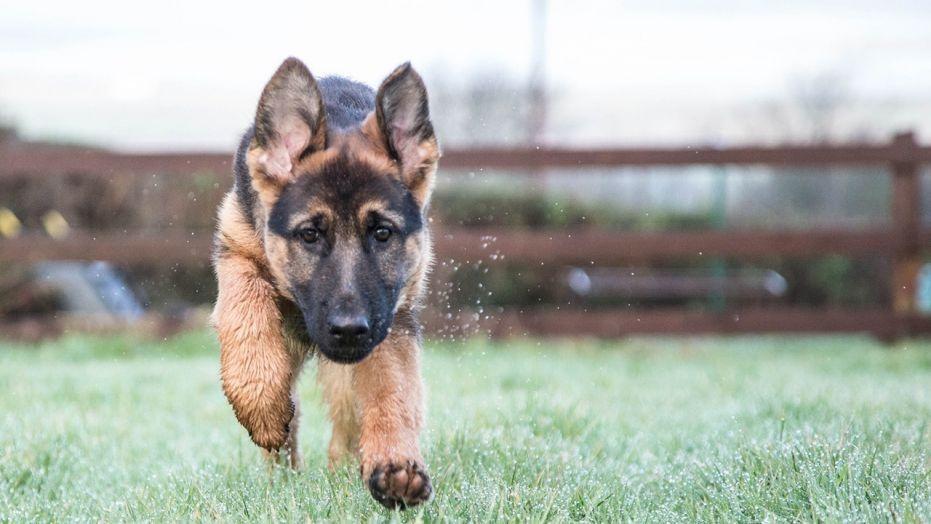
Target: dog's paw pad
401	485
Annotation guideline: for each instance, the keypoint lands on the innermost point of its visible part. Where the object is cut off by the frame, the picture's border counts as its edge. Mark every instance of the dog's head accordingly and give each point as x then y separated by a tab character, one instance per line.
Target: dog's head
344	209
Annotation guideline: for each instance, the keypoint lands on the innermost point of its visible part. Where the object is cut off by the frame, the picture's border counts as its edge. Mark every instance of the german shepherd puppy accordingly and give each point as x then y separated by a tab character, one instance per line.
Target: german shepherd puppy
322	248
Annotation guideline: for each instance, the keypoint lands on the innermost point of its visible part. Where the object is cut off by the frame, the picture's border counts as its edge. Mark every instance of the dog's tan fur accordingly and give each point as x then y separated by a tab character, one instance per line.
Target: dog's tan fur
376	405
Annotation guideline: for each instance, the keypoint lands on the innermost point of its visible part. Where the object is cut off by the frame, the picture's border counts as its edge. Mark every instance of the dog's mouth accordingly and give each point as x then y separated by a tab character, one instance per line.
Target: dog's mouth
346	354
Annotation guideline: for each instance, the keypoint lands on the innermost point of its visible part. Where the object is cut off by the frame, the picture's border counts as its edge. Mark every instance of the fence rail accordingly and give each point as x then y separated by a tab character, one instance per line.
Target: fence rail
903	242
610	323
533	247
16	161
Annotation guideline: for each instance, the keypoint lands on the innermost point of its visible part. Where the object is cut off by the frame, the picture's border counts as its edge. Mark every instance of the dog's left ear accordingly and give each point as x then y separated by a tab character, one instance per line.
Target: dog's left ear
403	117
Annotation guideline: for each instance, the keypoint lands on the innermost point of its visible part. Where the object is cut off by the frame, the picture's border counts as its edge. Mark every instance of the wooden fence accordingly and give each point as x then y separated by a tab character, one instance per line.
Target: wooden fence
903	242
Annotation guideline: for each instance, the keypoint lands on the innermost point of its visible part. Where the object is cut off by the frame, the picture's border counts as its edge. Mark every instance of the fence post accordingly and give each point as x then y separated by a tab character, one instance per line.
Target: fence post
906	221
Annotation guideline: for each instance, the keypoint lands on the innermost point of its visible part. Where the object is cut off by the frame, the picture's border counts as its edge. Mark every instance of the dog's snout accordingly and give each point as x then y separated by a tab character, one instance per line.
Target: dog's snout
348	328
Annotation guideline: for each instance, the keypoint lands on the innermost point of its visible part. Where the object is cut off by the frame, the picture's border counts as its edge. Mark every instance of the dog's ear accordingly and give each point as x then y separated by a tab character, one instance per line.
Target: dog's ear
289	123
403	117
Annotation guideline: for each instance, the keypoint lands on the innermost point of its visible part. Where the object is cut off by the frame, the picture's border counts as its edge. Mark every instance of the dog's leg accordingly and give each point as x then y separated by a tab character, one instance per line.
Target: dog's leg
336	382
295	458
256	368
290	453
388	386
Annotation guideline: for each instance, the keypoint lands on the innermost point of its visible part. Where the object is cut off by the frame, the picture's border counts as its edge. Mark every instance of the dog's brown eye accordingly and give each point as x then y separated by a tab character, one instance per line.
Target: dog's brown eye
309	235
382	234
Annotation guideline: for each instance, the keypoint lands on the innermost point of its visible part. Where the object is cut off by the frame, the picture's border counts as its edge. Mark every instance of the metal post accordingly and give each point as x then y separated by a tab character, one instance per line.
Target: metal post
719	221
537	116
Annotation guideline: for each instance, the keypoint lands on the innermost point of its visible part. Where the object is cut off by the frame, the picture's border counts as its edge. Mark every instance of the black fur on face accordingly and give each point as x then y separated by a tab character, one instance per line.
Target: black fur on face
343	270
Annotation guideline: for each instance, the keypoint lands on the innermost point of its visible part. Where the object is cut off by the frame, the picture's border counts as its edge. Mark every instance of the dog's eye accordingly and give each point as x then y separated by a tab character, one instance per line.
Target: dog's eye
308	235
382	234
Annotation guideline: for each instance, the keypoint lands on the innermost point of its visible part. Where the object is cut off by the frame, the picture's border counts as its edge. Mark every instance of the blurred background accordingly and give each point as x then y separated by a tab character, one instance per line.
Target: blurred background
611	167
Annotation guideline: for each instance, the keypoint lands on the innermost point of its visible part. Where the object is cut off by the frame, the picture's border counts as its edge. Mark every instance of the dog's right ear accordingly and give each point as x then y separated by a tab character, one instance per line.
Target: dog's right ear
289	124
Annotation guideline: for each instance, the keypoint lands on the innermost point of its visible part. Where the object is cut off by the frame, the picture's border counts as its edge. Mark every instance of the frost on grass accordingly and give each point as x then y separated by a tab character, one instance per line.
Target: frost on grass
738	429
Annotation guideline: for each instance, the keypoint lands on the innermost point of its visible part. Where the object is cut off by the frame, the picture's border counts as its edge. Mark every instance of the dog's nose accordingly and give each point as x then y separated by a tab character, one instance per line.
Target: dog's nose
348	328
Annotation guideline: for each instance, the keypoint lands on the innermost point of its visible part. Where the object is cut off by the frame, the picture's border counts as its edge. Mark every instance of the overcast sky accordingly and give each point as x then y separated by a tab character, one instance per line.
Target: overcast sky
186	75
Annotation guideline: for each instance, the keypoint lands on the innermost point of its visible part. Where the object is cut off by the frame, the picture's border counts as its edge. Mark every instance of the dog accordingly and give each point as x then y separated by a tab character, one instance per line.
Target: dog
322	248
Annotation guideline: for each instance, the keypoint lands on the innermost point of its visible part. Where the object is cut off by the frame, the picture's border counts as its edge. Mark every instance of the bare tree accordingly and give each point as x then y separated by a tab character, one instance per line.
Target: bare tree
490	107
819	107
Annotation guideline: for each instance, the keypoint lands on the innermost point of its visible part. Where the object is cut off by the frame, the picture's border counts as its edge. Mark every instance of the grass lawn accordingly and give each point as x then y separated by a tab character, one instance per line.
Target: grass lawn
735	429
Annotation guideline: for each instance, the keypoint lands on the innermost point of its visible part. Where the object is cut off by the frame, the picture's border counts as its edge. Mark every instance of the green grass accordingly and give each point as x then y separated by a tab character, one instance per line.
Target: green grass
738	429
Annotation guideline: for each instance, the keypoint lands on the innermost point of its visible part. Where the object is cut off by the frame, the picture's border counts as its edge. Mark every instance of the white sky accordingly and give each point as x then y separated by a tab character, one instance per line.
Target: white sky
186	75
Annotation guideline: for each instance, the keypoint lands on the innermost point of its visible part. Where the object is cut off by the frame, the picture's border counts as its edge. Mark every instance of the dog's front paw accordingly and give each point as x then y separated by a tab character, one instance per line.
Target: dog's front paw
269	440
400	484
270	429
